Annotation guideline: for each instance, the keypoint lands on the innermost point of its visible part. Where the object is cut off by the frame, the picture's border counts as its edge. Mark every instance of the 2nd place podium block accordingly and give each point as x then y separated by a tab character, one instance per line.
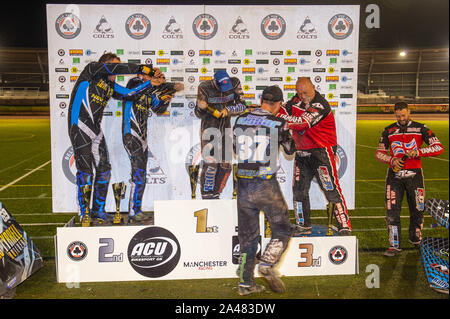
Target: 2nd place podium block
189	240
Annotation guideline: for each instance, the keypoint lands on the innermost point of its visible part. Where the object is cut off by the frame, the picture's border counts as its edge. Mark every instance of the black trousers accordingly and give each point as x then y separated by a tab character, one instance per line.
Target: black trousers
397	184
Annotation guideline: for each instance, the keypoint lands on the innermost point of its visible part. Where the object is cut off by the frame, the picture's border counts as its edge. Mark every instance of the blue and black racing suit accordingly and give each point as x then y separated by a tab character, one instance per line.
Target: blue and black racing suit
90	96
134	133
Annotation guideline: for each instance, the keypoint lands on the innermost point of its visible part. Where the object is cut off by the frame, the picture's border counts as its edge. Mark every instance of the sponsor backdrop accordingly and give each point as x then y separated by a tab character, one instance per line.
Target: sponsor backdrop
180	247
261	45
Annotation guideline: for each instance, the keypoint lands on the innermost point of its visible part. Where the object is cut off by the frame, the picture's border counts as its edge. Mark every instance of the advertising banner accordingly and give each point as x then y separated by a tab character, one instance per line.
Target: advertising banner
260	45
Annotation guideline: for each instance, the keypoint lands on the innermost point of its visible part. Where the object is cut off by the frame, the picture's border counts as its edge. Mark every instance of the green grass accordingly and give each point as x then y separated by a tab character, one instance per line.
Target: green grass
25	145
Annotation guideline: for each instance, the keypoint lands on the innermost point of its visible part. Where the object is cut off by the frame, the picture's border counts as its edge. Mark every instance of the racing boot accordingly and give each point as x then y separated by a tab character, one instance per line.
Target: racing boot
84	189
101	184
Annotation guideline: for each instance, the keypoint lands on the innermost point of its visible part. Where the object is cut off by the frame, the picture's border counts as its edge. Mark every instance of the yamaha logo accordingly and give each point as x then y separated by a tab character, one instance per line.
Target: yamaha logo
68	25
273	26
338	255
138	26
340	26
205	26
154	252
77	251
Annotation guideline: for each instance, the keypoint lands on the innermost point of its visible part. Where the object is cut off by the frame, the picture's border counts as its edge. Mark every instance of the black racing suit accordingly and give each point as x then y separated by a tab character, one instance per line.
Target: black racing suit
134	134
397	140
257	137
216	167
90	96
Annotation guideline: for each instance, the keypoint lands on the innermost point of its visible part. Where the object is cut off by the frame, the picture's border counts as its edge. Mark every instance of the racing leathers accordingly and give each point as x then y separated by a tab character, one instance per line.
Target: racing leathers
216	167
257	136
134	134
89	98
314	132
396	140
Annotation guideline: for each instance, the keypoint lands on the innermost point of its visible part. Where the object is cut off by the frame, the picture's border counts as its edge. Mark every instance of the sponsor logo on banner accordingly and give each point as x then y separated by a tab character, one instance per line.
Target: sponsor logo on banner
75	52
273	26
68	25
340	26
239	30
61	52
307	30
138	26
77	251
154	252
205	265
338	255
103	29
155	173
68	165
205	26
172	30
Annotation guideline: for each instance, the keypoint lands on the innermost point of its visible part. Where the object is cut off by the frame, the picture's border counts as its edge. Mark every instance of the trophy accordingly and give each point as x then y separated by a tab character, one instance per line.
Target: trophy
330	212
86	191
234	181
193	176
119	193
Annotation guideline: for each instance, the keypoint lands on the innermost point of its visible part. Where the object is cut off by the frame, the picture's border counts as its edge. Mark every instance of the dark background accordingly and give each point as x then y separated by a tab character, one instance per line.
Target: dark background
404	23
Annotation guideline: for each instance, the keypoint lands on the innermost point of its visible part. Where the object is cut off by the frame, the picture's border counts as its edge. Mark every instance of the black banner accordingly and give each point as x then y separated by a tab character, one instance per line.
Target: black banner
19	257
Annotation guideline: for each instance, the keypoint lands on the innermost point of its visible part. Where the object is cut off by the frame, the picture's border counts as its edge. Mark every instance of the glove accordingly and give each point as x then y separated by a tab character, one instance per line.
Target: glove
147	69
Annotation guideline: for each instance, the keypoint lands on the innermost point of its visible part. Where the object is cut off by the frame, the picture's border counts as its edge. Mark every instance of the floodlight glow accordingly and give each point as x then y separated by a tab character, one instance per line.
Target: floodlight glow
402	53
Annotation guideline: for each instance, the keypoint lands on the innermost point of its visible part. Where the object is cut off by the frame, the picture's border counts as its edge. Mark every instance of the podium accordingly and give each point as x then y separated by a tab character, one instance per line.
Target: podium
190	239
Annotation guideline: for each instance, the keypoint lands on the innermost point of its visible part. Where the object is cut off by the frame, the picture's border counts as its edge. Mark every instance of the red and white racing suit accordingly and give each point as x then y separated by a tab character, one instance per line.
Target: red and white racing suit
314	132
396	140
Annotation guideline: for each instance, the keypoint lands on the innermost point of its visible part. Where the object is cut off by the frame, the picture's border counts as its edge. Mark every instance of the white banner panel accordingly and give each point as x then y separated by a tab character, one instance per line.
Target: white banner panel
191	240
261	45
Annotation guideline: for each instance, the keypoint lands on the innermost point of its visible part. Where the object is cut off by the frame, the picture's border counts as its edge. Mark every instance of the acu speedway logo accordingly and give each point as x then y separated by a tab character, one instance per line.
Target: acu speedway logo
154	252
205	26
273	26
68	25
340	26
138	26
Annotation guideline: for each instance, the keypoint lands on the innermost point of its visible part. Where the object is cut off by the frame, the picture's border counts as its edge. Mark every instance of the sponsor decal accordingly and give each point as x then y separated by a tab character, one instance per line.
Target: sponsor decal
61	70
172	30
332	52
205	26
338	255
273	26
103	29
148	52
236	249
205	78
77	251
420	199
340	26
138	26
205	265
307	30
205	52
68	25
154	252
319	70
73	78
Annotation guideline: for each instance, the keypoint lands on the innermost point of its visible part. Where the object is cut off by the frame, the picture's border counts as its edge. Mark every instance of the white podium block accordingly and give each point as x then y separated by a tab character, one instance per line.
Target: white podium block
189	240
